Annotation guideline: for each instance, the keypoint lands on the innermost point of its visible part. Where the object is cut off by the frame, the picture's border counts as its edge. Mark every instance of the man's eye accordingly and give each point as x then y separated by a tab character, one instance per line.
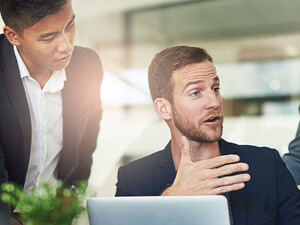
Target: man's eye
195	93
48	39
71	25
217	89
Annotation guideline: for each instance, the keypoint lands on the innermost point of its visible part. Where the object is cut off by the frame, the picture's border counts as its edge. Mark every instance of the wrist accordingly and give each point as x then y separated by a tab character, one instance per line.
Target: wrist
169	191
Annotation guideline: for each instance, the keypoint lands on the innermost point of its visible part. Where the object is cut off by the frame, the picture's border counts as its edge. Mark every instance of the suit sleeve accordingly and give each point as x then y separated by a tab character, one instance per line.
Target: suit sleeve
292	159
4	209
122	187
89	140
288	195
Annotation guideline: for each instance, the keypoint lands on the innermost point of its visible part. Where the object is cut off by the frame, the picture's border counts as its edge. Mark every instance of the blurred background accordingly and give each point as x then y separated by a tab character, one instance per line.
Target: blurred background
256	49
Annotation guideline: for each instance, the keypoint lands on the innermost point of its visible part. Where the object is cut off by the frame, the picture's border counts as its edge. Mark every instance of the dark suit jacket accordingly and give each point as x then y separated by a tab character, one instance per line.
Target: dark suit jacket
292	159
269	198
81	116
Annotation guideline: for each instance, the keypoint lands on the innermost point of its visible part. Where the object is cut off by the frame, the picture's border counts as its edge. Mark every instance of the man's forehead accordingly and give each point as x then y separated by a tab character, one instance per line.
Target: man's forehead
54	22
204	66
195	72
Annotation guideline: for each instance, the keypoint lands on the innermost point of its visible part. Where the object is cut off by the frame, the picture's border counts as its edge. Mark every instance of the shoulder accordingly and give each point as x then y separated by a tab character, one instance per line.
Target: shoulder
138	177
147	163
247	150
262	161
84	53
6	52
271	185
143	169
2	38
84	63
265	164
85	58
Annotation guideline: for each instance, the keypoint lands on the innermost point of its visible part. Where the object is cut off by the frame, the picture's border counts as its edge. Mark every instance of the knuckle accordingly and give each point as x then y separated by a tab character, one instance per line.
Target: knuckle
220	190
233	187
226	170
224	182
204	176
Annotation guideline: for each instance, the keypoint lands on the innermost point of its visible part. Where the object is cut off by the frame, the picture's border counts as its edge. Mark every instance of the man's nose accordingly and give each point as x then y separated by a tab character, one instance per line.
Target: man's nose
65	43
213	100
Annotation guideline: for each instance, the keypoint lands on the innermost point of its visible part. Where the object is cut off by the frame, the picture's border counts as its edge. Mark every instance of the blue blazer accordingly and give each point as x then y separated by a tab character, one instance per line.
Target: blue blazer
271	197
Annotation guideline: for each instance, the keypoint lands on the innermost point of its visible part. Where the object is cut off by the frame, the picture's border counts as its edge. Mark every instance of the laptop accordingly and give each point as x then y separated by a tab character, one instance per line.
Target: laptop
158	210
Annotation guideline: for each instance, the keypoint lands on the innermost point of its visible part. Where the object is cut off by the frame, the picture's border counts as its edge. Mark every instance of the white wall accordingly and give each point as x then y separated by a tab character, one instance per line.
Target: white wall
1	25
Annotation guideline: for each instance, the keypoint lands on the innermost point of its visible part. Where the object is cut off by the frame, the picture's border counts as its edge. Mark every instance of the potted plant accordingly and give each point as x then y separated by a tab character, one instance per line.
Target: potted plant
46	205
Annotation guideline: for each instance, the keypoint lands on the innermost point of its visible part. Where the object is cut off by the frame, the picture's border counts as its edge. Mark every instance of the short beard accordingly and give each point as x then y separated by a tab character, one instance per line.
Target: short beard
193	133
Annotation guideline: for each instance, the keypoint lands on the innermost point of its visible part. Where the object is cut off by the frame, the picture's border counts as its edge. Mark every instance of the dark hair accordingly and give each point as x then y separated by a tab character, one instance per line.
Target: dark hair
22	14
166	62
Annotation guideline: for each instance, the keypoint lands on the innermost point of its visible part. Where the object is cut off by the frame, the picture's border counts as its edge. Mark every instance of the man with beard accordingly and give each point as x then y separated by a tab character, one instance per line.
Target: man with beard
186	93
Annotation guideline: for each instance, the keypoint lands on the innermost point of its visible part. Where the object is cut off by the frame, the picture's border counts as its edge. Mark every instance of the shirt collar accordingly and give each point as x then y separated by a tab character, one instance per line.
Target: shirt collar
22	68
56	81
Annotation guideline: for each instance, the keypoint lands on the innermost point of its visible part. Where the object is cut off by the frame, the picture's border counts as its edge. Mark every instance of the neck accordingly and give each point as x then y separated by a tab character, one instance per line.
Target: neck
41	78
39	73
198	151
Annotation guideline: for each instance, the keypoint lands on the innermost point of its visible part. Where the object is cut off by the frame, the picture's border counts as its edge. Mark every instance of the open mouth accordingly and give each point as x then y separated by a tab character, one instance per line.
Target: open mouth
212	119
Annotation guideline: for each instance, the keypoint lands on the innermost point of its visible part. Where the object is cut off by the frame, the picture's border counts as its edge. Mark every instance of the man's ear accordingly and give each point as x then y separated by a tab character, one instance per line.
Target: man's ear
11	35
163	108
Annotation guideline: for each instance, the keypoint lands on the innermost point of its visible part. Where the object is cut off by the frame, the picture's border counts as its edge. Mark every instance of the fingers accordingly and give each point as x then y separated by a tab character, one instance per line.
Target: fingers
229	169
185	151
224	189
230	180
230	183
220	161
211	176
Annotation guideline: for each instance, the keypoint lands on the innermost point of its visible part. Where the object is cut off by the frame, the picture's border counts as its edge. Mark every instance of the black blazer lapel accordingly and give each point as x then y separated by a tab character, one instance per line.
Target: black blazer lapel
237	198
166	173
76	108
71	105
16	94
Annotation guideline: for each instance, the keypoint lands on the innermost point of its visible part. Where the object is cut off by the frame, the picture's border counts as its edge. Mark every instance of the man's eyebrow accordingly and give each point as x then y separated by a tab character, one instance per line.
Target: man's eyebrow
216	79
191	82
71	20
42	36
53	33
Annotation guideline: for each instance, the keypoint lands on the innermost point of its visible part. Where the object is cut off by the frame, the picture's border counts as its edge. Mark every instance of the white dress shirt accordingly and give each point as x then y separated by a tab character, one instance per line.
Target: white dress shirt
45	106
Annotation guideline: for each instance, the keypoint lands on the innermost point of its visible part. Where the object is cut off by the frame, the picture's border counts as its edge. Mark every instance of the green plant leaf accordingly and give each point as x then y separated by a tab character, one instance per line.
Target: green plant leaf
46	205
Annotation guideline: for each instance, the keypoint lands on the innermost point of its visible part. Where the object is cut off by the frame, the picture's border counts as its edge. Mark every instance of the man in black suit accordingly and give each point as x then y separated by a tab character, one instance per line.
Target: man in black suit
49	96
197	161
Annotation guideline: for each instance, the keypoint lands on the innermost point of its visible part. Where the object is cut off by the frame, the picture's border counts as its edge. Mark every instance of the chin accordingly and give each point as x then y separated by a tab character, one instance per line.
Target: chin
215	137
60	67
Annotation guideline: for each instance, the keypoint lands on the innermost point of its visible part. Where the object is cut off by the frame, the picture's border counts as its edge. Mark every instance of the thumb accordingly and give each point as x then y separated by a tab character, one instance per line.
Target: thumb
185	151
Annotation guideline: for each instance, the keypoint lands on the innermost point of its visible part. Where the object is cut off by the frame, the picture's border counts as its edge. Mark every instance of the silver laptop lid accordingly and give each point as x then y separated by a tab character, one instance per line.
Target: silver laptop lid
175	210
